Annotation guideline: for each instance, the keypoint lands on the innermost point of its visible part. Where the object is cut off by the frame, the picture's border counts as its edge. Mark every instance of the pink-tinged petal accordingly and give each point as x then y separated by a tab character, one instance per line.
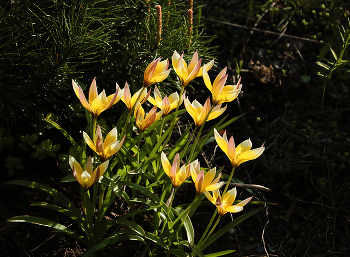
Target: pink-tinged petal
166	105
194	172
216	112
214	186
244	202
157	97
111	137
145	95
220	76
193	62
230	196
208	66
217	88
234	209
199	183
209	176
103	167
99	146
204	112
111	100
83	101
75	88
250	155
244	146
166	164
150	118
89	141
217	179
206	79
194	72
88	165
160	76
231	151
96	175
222	143
175	167
93	91
127	97
175	59
191	109
210	198
75	175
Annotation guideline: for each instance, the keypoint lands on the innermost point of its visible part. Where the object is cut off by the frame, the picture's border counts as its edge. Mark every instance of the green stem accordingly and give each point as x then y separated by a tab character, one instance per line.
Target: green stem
206	230
198	135
174	120
229	181
211	231
187	144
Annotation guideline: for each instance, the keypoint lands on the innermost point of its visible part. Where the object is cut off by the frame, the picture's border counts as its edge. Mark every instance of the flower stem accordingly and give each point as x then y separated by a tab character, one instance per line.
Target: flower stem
206	230
229	180
211	231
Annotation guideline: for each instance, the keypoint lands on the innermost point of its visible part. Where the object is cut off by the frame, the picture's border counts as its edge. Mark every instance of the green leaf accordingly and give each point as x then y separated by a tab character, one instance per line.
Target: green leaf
219	253
323	65
116	237
68	178
68	204
177	253
49	223
194	248
226	228
187	224
333	53
156	239
63	132
305	78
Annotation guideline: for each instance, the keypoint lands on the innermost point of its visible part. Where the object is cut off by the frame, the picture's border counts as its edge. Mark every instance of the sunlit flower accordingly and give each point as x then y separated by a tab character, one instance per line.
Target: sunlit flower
131	100
220	92
166	103
176	173
224	204
87	177
199	112
205	182
105	148
97	102
239	154
143	122
186	74
156	71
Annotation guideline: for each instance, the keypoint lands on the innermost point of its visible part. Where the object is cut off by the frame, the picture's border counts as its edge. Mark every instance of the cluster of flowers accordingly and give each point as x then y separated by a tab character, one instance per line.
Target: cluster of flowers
157	71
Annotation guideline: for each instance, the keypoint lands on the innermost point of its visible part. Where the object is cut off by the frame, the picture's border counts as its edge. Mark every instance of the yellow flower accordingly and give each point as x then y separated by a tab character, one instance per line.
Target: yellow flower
239	154
87	177
186	74
156	71
224	204
168	103
97	102
107	148
199	112
220	92
176	173
205	182
130	101
143	122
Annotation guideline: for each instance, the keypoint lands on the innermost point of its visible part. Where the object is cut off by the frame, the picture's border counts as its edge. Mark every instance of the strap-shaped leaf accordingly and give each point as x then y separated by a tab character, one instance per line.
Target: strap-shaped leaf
53	192
226	228
156	239
116	237
52	224
194	248
177	252
187	225
65	133
220	253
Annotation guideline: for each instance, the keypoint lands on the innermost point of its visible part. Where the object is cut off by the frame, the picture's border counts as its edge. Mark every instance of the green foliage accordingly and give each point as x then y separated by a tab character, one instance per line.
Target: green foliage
44	44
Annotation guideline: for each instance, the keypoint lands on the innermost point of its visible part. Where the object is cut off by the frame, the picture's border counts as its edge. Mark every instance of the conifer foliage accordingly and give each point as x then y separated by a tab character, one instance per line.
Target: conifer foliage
44	44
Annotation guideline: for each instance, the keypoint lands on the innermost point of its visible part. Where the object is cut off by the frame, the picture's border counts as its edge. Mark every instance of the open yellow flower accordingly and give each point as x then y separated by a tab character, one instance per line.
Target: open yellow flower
97	102
239	154
156	71
168	103
199	112
205	182
143	122
176	173
130	101
220	92
193	70
105	148
87	177
224	204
